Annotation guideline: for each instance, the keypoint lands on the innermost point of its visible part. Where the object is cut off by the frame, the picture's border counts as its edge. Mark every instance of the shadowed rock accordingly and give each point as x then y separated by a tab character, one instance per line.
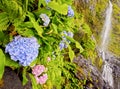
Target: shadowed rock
115	65
93	75
11	80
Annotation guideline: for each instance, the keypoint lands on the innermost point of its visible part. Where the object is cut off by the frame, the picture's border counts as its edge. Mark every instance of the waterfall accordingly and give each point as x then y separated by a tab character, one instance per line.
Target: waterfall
106	28
107	70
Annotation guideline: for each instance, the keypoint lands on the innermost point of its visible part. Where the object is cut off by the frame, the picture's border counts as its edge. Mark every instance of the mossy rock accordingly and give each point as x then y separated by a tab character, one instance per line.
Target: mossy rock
11	80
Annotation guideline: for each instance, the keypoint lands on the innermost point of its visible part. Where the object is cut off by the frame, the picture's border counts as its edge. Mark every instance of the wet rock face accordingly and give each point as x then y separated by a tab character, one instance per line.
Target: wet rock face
93	75
12	81
115	65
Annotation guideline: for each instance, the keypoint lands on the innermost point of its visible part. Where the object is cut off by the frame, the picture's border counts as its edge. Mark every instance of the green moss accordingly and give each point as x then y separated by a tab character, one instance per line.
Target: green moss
114	44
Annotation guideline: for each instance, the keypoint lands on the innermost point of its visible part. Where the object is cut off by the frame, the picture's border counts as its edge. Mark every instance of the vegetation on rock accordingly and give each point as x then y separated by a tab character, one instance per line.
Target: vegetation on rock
47	22
63	29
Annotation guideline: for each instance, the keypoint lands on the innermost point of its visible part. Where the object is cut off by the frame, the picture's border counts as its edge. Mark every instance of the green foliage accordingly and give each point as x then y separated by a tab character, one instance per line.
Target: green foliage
4	22
54	73
71	53
69	76
114	45
34	83
2	63
35	24
25	80
11	63
22	17
62	9
86	29
86	41
12	8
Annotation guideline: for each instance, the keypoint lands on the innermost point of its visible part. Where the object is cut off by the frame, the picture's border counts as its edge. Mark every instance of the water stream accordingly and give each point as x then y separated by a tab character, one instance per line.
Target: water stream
107	70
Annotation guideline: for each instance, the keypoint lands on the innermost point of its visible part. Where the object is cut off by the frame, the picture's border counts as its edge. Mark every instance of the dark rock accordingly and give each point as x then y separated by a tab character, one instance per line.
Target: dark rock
92	74
11	80
29	83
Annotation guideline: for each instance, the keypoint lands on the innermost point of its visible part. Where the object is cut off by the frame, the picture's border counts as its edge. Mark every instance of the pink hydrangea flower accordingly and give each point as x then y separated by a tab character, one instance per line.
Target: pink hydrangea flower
48	59
43	79
38	69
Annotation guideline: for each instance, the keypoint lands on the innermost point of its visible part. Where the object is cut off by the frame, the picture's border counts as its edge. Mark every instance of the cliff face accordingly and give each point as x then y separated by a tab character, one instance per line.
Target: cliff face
94	14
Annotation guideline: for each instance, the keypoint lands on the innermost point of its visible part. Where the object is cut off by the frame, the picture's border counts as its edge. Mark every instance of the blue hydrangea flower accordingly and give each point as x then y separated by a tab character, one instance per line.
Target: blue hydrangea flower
70	34
23	49
47	1
70	12
64	40
45	19
61	45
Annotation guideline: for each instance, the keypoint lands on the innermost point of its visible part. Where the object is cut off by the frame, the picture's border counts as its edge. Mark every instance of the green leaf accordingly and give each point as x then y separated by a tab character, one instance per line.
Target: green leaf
25	32
34	62
54	27
34	83
12	7
41	2
71	53
79	46
2	63
3	21
35	24
25	80
60	8
42	10
86	29
19	21
69	2
1	37
11	63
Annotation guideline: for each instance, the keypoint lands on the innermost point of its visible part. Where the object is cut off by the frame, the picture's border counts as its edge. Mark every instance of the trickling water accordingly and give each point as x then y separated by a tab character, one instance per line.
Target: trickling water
107	70
106	28
107	74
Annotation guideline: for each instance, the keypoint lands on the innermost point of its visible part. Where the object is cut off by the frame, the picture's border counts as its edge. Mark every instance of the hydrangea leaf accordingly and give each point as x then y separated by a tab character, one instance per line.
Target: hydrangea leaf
34	83
42	10
1	37
62	9
25	80
2	63
34	62
25	32
11	63
71	53
35	24
79	46
54	27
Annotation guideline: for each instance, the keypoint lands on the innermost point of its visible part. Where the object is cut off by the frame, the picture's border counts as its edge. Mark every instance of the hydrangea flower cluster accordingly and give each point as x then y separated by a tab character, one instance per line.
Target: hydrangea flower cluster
70	11
37	71
64	40
45	19
47	1
23	49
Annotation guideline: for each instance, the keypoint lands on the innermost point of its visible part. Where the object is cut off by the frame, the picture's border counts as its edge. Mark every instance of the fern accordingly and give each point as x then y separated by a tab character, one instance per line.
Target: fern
12	8
4	22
